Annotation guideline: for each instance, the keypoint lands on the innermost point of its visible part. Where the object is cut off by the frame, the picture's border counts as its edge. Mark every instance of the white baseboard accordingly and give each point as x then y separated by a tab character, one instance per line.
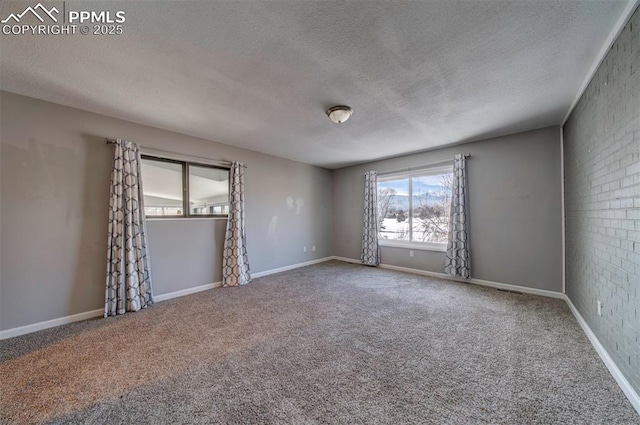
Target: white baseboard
188	291
516	288
291	267
346	260
624	385
27	329
34	327
497	285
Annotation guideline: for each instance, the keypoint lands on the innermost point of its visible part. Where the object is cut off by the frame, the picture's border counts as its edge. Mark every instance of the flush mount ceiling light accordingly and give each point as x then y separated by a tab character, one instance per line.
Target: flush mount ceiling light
339	114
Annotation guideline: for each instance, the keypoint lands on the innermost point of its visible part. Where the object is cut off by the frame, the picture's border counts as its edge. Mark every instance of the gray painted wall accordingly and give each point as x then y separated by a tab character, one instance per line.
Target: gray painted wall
515	209
602	202
202	258
55	170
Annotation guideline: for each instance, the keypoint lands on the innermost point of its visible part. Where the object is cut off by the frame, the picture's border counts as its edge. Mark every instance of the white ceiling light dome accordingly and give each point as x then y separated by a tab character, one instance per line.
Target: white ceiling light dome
339	114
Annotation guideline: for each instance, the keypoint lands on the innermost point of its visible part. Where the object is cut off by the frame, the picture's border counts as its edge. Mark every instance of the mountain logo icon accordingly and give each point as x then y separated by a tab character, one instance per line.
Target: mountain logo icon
34	11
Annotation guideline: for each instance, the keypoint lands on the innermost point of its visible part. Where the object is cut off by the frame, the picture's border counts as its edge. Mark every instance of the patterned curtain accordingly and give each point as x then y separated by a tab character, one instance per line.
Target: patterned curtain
370	249
235	262
128	276
458	246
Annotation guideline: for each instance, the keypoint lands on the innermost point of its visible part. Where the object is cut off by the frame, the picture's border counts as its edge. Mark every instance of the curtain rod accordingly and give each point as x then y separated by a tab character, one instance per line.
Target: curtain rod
216	161
466	155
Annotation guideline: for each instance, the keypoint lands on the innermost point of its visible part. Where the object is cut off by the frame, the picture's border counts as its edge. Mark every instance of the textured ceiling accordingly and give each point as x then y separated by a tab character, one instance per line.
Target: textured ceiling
259	74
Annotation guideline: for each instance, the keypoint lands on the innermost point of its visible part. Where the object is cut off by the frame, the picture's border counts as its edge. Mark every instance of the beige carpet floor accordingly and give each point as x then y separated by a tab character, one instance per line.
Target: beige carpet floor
329	343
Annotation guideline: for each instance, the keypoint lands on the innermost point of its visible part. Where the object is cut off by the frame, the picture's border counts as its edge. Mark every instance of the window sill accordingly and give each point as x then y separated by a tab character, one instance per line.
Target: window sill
417	246
186	218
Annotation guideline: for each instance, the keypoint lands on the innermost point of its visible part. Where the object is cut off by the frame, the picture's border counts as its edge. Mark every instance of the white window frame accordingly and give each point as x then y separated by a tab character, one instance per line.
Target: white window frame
409	174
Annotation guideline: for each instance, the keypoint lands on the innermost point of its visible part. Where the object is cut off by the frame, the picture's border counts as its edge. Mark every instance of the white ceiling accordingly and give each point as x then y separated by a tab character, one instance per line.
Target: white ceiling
259	74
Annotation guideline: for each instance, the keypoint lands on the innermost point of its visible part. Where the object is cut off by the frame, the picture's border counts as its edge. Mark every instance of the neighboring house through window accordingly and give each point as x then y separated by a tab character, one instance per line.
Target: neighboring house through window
414	208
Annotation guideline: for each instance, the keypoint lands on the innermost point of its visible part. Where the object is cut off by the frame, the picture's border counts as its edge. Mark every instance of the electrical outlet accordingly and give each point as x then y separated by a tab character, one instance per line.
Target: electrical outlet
410	253
599	308
313	248
304	249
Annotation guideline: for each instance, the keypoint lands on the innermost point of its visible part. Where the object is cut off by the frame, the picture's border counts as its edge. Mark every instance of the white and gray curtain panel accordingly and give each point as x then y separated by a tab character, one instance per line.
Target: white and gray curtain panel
370	248
128	285
458	245
235	262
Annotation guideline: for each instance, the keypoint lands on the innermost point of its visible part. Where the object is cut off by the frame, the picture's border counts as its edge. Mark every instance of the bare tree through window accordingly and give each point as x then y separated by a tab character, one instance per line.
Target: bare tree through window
431	213
385	202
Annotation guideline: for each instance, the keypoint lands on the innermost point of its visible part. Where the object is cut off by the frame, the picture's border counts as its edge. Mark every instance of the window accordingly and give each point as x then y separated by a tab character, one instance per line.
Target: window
208	190
414	208
183	189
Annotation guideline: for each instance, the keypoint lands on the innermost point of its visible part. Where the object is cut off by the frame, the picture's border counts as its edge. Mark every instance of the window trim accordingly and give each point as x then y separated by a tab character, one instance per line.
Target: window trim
425	171
186	210
417	172
420	246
